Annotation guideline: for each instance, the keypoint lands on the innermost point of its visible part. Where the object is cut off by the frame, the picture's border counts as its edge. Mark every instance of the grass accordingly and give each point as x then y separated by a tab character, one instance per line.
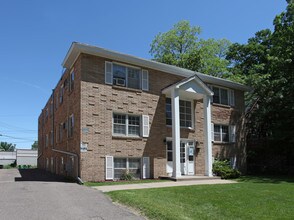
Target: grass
123	182
251	198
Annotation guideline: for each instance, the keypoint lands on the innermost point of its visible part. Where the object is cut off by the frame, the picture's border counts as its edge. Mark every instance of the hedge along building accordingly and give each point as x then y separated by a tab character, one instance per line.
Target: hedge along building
112	113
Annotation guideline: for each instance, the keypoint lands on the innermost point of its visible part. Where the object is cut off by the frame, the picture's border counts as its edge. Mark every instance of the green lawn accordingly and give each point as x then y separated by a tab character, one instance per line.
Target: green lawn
123	182
252	198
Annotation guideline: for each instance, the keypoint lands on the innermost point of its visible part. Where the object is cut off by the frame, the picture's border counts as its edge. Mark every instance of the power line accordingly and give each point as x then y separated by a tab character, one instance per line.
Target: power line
12	127
18	138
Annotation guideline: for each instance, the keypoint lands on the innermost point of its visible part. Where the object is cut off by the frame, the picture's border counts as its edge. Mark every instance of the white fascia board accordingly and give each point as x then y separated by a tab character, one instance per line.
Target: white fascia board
77	48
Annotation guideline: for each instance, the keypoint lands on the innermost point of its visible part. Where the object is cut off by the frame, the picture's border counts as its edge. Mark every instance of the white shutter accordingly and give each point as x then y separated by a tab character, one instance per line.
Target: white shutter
212	132
109	167
232	133
232	97
145	80
108	72
146	168
145	126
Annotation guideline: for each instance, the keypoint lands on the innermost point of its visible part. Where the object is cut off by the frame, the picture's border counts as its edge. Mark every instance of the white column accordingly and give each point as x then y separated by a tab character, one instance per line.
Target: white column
175	101
207	135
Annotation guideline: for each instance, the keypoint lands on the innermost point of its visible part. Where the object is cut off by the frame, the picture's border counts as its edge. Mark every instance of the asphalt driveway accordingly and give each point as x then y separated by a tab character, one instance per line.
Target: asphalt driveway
33	194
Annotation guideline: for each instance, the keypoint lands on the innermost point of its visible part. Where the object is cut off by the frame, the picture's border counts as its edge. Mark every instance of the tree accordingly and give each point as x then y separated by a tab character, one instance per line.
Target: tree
4	146
178	46
266	63
181	46
35	145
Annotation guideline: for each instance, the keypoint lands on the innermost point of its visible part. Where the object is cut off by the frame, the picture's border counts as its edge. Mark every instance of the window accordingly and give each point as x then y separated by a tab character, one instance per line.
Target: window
46	140
60	132
72	80
70	125
168	111
221	133
51	107
46	113
126	76
169	150
61	92
223	96
51	138
185	113
127	165
128	125
56	134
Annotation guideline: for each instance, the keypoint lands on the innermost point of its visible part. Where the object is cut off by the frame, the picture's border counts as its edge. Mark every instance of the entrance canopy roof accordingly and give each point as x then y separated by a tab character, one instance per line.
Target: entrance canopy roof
192	88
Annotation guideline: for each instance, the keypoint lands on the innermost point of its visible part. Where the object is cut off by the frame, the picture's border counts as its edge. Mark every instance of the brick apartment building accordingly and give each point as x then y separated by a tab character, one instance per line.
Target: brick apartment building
112	113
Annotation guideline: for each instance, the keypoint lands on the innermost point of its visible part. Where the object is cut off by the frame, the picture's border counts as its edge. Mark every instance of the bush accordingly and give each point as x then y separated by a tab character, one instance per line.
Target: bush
127	176
223	169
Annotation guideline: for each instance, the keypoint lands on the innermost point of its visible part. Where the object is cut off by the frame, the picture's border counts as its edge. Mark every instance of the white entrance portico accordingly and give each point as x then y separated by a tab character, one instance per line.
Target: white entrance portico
190	88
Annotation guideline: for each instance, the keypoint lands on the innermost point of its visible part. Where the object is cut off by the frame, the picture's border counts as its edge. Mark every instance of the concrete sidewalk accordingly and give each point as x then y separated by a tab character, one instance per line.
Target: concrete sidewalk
162	184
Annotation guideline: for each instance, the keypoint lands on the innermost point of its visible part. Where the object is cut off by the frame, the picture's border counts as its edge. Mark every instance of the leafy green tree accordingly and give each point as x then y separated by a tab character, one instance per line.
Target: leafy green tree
181	46
266	63
35	145
178	46
4	146
213	56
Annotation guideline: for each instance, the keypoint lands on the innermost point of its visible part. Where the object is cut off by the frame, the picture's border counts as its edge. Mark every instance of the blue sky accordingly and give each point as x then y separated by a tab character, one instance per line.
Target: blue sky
35	36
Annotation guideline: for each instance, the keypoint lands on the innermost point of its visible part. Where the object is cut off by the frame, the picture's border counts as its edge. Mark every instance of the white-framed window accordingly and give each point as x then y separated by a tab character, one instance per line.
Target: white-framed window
126	125
127	165
223	96
71	80
126	76
70	125
185	113
223	133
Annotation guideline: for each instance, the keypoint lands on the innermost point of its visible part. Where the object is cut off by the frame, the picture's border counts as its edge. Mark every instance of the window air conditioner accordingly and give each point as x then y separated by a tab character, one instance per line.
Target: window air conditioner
120	82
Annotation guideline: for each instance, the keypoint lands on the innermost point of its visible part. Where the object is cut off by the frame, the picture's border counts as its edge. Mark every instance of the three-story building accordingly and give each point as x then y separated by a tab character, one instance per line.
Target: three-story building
112	113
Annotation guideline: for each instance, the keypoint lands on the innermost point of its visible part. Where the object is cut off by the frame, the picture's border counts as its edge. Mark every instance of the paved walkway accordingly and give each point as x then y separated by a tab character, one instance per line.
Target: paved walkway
162	184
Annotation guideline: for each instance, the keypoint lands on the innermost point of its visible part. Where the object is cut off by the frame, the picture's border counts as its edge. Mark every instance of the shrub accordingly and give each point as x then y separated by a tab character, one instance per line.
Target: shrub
127	176
223	169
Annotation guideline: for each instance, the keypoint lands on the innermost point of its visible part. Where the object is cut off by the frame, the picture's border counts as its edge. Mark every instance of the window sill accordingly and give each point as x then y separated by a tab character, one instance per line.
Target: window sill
222	143
182	128
126	137
222	105
126	89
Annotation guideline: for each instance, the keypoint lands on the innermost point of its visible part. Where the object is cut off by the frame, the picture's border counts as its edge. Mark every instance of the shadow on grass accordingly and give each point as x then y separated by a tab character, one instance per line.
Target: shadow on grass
266	179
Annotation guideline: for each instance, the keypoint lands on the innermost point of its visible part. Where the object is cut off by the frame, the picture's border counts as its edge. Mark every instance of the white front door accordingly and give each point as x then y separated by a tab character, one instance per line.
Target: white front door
183	158
187	157
190	157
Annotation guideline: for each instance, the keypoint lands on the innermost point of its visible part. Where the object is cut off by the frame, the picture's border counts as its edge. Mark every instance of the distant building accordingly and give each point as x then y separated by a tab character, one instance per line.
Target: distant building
112	113
26	157
20	156
7	158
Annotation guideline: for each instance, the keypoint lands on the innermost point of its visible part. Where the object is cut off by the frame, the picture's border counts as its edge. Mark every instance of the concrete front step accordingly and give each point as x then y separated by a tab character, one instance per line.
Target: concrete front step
190	178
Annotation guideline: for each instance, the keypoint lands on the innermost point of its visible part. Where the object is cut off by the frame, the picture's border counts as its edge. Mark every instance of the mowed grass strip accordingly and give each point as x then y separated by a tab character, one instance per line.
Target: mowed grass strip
245	200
